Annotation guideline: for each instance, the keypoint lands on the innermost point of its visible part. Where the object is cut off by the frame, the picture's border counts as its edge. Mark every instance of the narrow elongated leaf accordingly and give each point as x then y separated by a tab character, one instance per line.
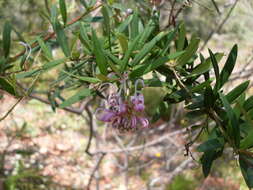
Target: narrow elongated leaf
207	160
80	95
248	104
189	52
134	29
215	67
6	38
123	41
146	33
246	165
122	27
44	68
236	92
153	96
228	67
209	98
206	65
83	78
84	37
61	38
146	49
145	68
181	37
45	49
131	47
169	39
233	129
211	145
201	87
106	22
7	86
63	10
247	142
53	64
99	54
54	14
27	74
115	59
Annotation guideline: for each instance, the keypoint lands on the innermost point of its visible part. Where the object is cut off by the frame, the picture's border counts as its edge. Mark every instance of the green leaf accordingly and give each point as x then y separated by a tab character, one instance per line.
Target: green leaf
83	78
247	142
246	165
99	54
134	29
153	96
181	37
147	48
237	91
53	64
84	37
61	38
28	74
211	145
228	67
189	52
209	98
115	59
6	38
146	33
152	65
215	67
122	41
248	104
121	28
54	14
207	160
206	65
7	86
131	47
45	49
80	95
44	68
106	22
63	10
168	41
201	86
233	129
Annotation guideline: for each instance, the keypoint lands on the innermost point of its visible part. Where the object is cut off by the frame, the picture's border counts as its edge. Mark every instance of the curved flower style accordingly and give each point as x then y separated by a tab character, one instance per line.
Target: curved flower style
124	115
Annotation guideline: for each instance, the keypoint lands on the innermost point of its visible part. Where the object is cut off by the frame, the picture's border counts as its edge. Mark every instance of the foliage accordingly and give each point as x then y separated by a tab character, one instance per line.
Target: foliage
126	43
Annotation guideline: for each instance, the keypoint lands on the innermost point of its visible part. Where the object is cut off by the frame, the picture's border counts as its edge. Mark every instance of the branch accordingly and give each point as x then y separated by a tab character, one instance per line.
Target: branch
77	111
219	26
95	169
90	123
135	148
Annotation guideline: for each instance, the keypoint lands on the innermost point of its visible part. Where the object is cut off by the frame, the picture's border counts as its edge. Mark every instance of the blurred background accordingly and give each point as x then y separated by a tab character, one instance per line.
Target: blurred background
46	149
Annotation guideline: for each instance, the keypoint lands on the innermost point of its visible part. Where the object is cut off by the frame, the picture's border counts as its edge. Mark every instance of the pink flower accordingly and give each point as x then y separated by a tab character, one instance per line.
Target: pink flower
138	102
106	115
144	122
124	115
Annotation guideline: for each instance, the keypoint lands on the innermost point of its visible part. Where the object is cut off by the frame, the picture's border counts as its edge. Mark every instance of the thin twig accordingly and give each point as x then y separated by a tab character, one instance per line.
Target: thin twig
90	123
135	148
95	169
220	26
11	109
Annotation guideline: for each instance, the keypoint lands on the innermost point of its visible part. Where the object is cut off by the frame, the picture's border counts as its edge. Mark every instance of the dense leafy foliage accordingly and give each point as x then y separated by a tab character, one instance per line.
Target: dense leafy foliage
167	61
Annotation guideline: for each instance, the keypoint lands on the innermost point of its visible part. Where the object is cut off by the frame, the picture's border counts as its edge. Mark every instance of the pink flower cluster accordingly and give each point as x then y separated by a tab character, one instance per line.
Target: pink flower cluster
124	115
